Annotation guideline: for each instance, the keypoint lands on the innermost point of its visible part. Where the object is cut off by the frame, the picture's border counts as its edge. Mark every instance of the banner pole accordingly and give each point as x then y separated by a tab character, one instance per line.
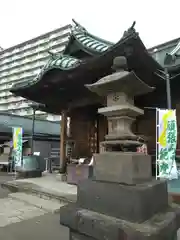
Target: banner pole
156	142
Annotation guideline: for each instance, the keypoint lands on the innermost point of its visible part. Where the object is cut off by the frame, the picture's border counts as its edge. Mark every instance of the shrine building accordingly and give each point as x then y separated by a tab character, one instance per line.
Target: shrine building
60	86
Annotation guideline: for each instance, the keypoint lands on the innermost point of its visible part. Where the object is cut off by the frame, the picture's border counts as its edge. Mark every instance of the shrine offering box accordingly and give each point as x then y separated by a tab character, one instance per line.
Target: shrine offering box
78	172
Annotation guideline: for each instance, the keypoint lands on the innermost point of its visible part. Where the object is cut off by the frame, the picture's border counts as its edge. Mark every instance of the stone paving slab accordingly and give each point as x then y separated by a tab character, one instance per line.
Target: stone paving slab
47	205
45	227
13	211
44	188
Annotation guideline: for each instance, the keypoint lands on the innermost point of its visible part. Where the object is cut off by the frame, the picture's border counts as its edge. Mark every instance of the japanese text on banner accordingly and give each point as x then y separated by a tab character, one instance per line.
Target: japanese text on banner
17	145
166	145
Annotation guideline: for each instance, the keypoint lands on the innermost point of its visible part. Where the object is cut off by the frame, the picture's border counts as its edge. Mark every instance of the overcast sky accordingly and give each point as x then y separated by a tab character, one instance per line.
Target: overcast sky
157	21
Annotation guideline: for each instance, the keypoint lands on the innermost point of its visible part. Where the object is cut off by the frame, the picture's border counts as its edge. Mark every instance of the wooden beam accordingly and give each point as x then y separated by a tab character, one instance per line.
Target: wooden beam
63	138
85	102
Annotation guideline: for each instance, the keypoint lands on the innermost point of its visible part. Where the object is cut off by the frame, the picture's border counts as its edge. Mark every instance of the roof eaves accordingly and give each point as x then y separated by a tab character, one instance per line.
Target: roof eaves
164	46
59	61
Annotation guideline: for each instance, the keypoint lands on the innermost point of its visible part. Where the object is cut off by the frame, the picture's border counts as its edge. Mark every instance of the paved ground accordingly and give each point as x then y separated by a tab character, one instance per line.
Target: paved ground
19	220
44	227
3	178
49	185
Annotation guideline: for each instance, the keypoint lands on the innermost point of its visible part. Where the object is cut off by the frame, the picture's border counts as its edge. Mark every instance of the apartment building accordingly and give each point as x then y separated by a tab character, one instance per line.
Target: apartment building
22	63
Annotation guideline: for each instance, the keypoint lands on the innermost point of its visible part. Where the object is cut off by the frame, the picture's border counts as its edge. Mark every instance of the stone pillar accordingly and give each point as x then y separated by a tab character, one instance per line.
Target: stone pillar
121	201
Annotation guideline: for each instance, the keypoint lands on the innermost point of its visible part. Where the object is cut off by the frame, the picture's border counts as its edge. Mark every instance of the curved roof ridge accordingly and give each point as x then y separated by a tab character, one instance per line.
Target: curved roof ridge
56	61
88	42
79	27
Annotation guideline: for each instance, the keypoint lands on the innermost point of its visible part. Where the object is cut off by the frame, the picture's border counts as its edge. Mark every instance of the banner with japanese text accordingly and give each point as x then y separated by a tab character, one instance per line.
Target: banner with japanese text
166	144
17	145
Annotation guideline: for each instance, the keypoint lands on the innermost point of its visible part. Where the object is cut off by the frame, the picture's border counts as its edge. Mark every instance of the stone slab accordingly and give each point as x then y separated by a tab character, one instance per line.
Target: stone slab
120	110
98	226
47	205
134	203
121	167
64	195
13	211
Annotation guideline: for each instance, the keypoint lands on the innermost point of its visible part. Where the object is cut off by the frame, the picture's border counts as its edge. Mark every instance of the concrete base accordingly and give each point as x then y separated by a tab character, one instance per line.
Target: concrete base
92	226
61	177
29	174
122	167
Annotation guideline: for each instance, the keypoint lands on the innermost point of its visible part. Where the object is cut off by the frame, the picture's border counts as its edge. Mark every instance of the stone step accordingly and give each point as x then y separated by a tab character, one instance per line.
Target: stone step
52	206
63	196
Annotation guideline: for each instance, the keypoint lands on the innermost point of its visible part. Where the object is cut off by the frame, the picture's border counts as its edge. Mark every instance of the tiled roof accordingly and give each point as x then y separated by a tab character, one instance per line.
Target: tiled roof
88	41
59	61
85	41
87	53
64	62
171	48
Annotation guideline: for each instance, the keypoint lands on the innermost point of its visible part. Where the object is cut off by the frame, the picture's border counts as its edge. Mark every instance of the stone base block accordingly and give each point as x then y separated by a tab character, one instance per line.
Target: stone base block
77	236
134	203
121	167
92	225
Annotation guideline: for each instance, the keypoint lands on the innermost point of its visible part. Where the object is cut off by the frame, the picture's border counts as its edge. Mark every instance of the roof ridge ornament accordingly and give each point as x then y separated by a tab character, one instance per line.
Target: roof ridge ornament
78	27
130	30
55	55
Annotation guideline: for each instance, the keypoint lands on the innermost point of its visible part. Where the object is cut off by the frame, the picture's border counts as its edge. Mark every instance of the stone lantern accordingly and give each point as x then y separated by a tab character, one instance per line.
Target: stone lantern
121	201
120	89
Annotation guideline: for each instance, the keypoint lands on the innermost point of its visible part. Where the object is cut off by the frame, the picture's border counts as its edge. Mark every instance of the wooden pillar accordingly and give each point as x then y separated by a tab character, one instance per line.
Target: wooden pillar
63	138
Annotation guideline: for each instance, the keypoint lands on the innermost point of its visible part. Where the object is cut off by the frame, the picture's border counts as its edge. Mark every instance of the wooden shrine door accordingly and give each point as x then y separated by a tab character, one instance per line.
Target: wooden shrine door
87	129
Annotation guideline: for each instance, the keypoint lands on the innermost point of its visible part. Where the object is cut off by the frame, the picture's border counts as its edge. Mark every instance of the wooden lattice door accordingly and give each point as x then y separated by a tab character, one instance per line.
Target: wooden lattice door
93	137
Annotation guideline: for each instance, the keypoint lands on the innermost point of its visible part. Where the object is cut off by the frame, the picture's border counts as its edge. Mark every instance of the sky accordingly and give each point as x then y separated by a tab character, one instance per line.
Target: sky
157	21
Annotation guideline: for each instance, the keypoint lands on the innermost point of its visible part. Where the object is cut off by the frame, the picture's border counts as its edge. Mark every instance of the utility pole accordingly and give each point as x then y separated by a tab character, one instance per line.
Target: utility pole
35	106
168	88
169	60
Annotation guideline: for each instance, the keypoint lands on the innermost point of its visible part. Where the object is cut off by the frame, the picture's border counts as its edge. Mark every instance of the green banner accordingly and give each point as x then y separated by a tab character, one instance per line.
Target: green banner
166	143
17	145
